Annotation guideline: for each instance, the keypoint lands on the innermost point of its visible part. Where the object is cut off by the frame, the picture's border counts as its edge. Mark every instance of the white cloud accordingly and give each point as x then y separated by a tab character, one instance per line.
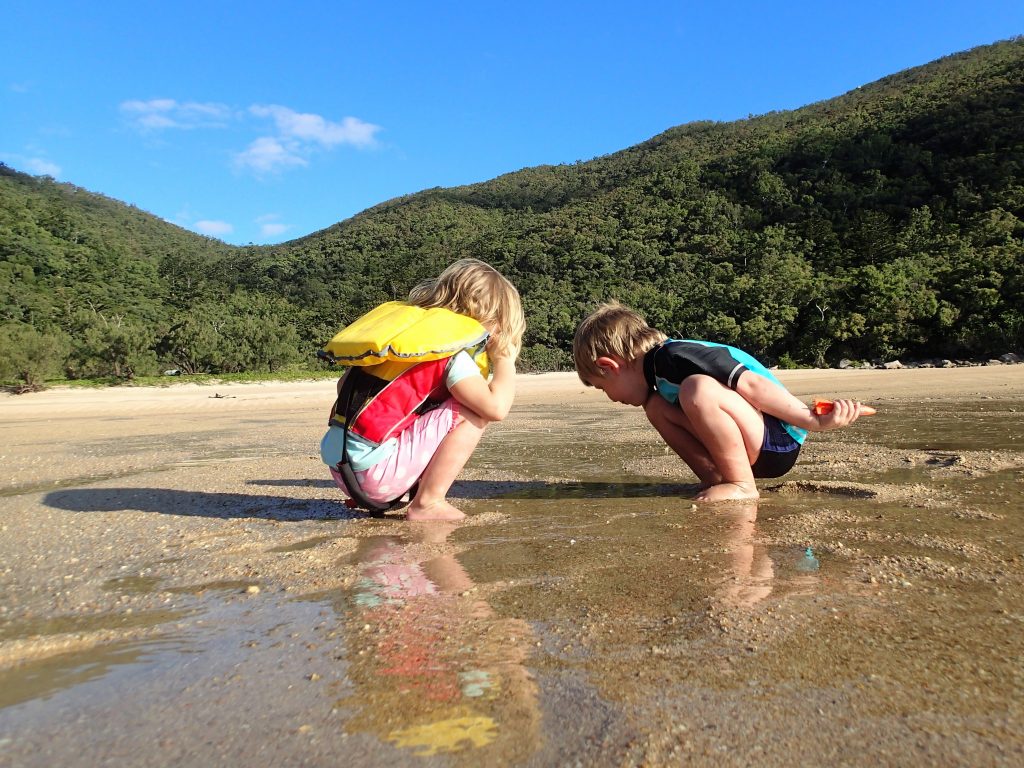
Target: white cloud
267	154
294	138
270	226
37	166
159	114
299	135
310	128
273	230
213	228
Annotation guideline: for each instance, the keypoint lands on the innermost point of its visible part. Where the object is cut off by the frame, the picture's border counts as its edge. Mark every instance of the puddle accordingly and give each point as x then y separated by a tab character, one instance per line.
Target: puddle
132	585
74	624
620	490
226	585
299	546
247	676
468	650
39	680
984	425
434	670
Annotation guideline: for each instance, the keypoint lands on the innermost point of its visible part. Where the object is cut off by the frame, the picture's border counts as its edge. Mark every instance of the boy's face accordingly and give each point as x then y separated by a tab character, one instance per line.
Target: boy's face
621	382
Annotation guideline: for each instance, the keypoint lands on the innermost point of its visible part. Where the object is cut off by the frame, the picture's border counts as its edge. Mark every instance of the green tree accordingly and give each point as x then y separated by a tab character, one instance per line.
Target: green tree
28	356
112	346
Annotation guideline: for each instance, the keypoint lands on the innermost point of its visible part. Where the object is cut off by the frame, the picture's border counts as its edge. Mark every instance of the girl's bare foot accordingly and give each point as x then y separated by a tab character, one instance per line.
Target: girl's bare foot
438	510
432	531
737	491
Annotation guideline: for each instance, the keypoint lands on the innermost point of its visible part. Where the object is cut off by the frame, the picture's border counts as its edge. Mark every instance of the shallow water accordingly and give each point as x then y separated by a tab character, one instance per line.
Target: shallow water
867	609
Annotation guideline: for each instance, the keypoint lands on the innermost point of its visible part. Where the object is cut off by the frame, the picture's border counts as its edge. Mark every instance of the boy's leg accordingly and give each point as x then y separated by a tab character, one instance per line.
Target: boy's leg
728	429
675	429
731	430
449	459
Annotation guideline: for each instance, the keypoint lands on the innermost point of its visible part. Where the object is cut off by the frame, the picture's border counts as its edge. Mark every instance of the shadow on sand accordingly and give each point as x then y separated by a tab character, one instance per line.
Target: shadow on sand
529	489
486	489
282	508
222	505
292	482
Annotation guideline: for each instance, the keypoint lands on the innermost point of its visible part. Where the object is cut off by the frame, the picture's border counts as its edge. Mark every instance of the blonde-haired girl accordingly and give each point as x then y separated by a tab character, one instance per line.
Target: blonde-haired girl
435	447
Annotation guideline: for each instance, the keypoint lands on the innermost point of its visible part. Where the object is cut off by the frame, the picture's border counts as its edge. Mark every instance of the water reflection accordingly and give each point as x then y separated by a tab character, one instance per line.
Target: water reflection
753	574
44	678
751	570
435	670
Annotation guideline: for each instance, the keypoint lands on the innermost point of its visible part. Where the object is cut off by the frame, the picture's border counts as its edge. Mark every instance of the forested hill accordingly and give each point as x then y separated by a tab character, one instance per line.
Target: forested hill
58	239
886	221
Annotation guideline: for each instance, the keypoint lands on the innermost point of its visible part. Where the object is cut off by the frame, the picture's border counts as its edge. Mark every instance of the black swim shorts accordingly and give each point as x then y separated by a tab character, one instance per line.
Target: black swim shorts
779	450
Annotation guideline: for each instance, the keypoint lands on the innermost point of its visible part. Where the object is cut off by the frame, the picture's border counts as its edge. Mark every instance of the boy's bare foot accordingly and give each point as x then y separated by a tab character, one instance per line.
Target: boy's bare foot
729	492
438	510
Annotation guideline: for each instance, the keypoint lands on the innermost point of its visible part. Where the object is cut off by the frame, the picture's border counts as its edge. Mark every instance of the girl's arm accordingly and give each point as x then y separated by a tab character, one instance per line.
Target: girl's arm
491	400
769	397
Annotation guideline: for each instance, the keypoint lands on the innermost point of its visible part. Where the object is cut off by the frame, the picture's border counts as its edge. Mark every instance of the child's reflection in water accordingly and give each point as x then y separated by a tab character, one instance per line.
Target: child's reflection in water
752	574
751	569
435	670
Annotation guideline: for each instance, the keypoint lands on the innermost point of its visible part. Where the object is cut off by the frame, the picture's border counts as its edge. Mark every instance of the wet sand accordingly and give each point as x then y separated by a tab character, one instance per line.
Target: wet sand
180	585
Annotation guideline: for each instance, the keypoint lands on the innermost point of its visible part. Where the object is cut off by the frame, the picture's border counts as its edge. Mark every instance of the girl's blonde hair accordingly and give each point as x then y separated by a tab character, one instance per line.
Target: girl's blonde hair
471	287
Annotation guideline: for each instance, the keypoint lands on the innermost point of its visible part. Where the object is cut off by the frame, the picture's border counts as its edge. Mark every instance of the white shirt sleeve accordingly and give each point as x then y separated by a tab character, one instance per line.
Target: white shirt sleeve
462	366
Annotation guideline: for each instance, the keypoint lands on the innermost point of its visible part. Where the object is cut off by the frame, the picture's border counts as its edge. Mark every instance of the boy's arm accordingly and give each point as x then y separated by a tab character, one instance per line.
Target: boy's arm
767	396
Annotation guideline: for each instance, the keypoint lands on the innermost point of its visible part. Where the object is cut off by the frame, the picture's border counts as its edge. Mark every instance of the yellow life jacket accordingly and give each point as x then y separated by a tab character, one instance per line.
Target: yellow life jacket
398	332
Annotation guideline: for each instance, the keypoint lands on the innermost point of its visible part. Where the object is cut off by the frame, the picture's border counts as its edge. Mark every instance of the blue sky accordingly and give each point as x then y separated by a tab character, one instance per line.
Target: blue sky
265	121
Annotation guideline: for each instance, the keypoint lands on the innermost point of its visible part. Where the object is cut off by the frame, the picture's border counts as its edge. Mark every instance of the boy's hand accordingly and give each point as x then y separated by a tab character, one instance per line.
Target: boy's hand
843	414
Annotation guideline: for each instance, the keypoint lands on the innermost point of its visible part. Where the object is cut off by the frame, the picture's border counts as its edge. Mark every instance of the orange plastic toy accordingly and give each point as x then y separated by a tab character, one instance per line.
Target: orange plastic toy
821	407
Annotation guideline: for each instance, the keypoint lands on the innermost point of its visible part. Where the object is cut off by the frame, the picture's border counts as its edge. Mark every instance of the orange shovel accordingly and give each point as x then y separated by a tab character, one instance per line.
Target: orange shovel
821	407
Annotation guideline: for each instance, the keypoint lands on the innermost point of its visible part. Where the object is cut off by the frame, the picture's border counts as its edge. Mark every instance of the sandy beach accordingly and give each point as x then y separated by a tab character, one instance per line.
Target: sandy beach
181	584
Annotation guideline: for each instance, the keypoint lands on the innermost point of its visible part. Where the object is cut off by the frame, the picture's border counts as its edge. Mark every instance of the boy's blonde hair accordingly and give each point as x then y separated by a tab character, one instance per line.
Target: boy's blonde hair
611	329
476	289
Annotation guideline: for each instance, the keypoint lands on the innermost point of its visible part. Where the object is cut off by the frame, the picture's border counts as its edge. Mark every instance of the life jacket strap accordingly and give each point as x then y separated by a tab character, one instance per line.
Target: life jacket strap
344	405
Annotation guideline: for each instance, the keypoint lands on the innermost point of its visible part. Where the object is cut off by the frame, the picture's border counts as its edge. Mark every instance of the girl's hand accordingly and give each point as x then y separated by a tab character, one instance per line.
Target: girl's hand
493	346
843	414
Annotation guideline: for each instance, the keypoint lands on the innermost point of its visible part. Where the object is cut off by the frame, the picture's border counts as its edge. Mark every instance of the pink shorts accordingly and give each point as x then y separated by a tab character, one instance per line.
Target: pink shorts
417	444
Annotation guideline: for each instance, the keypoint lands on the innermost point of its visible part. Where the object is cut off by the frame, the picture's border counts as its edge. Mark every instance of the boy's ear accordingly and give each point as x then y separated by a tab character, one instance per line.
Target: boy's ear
608	365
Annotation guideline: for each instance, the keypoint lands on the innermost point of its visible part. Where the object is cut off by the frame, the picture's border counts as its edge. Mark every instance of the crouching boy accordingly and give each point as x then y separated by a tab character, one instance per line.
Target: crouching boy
716	406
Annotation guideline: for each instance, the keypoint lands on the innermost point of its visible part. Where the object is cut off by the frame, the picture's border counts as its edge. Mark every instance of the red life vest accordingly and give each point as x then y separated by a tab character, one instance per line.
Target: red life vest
388	397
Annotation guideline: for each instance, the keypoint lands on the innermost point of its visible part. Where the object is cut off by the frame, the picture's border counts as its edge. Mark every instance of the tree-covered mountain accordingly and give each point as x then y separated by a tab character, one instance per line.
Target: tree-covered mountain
885	221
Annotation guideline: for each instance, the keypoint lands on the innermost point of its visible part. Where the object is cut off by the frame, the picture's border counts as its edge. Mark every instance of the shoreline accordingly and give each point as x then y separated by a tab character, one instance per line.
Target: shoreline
870	385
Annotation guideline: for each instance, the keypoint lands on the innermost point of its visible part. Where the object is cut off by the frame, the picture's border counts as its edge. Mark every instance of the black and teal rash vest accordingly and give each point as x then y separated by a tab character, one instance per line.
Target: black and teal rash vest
666	365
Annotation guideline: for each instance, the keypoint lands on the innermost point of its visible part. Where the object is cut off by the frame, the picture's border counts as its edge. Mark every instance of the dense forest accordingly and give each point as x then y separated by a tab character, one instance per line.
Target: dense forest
884	222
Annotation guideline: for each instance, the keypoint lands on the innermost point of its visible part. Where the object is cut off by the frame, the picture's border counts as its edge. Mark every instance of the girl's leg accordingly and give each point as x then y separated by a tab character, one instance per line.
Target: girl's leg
730	429
449	459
